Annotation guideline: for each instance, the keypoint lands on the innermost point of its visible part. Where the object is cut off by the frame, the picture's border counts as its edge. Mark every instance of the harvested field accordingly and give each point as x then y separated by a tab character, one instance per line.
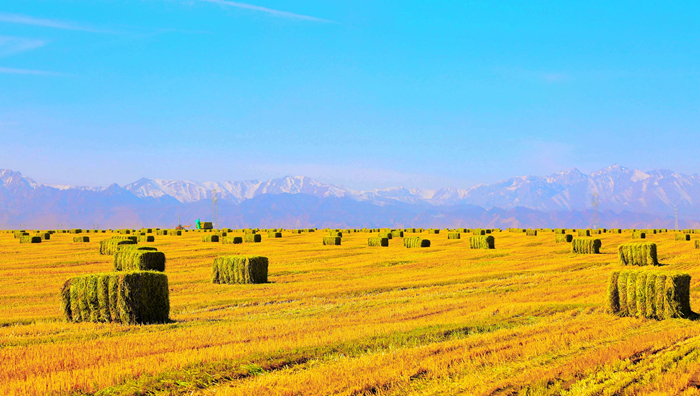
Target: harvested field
440	320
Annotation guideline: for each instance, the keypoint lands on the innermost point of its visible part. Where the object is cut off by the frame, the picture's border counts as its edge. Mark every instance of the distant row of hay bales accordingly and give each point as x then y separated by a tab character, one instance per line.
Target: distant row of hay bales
654	295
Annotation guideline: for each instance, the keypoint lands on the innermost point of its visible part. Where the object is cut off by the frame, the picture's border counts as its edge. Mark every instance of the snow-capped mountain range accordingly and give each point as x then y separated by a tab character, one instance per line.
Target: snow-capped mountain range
616	188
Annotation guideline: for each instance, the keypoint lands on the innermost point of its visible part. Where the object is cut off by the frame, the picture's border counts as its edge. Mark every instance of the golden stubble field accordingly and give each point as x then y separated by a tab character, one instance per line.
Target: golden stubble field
524	319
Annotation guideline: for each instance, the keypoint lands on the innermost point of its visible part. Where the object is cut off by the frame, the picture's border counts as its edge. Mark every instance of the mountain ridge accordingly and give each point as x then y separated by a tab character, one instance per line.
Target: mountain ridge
620	190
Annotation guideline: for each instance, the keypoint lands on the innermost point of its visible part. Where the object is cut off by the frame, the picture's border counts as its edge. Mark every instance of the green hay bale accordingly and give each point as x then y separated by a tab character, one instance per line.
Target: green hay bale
531	232
65	301
139	260
453	235
274	235
482	242
643	253
206	225
162	232
584	233
613	296
210	238
175	232
650	295
386	235
126	297
639	235
252	238
19	234
697	244
622	292
335	234
641	294
659	295
632	293
146	238
559	238
239	270
75	231
331	241
677	296
111	246
585	246
81	239
45	236
478	232
397	234
30	239
378	242
413	242
682	237
433	231
232	240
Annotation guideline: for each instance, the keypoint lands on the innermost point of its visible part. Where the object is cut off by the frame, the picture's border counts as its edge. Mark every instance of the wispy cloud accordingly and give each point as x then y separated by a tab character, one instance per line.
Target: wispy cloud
13	45
8	70
28	20
278	13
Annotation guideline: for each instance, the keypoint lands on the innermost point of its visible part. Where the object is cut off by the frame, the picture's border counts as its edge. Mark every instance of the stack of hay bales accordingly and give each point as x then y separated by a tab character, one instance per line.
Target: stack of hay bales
210	238
639	235
111	245
231	240
454	235
45	236
139	259
140	297
20	234
30	239
643	253
378	242
559	238
336	234
682	237
273	234
146	238
397	234
206	225
252	238
162	232
413	242
584	233
585	246
81	239
175	232
332	240
433	231
531	232
482	242
239	269
653	295
478	231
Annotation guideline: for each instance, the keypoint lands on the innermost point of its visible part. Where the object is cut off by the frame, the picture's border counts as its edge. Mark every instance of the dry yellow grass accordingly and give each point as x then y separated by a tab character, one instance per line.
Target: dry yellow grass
524	319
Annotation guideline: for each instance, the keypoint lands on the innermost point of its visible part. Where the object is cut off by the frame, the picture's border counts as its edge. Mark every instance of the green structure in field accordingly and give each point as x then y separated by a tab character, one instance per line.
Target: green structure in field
199	224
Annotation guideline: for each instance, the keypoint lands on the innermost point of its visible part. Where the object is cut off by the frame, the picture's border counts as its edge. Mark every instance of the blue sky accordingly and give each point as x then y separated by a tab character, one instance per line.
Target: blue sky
365	94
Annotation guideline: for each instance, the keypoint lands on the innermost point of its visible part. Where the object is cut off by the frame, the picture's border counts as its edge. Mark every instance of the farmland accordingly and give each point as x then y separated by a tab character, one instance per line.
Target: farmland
525	318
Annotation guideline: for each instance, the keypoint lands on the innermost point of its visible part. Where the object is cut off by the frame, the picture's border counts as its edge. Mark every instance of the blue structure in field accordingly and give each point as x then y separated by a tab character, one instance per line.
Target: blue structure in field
199	225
